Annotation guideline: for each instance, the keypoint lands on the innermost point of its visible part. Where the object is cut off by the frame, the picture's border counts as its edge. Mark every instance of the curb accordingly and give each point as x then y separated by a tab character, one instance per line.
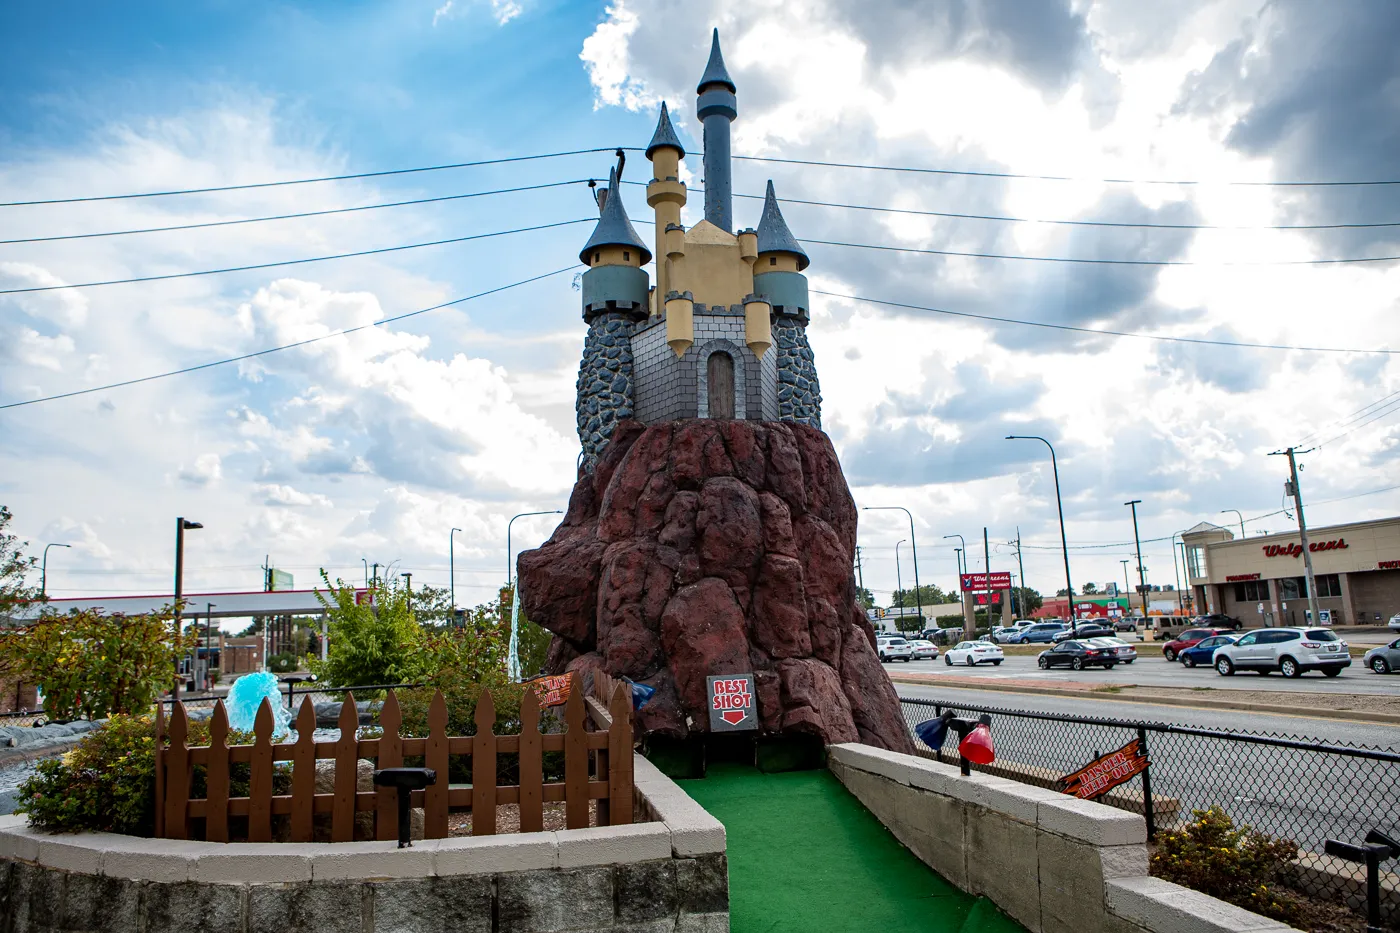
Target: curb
1389	719
37	752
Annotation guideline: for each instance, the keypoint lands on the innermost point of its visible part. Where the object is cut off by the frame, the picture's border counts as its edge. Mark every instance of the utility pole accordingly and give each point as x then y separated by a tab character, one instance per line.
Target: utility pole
860	571
1020	566
1127	587
1142	573
987	566
1292	488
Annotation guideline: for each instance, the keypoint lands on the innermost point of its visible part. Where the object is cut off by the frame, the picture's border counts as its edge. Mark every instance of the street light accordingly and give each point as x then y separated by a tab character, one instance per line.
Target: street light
899	584
181	526
452	572
408	587
913	546
1142	573
1241	518
510	565
959	551
44	573
1064	542
365	561
1127	587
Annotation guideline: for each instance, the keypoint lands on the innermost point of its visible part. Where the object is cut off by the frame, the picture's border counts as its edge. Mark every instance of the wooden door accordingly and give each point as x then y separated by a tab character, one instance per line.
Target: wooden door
720	377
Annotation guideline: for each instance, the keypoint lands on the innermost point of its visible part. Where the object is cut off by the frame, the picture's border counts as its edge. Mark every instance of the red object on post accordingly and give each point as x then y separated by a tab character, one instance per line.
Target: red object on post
977	747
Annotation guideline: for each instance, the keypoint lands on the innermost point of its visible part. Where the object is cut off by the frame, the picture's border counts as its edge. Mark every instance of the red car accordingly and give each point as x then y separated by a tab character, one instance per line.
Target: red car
1188	639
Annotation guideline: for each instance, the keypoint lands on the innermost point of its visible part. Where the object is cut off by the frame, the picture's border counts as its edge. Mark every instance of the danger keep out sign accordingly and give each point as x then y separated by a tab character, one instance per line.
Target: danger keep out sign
731	703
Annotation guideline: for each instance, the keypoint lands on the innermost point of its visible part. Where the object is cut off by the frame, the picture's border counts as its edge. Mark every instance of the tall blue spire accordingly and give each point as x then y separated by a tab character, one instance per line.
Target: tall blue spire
717	108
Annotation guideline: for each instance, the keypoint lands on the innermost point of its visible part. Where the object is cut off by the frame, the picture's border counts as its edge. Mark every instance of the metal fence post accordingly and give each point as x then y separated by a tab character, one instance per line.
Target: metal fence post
1147	803
291	689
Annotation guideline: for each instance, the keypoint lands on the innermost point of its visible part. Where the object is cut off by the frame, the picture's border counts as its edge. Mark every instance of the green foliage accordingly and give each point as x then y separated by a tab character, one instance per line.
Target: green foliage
475	651
1027	600
377	642
1090	589
13	568
91	665
1236	864
948	622
865	598
532	647
926	595
283	663
432	606
107	783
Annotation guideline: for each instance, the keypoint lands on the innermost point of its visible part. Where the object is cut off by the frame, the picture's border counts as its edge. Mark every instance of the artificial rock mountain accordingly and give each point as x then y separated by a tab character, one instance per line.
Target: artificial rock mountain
700	547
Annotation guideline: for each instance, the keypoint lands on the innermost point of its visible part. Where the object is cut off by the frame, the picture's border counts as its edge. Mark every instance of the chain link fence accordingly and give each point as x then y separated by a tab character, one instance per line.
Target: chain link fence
1288	786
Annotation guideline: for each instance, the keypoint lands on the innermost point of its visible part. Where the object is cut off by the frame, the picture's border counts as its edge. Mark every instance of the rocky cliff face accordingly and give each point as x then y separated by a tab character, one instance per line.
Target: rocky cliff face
714	547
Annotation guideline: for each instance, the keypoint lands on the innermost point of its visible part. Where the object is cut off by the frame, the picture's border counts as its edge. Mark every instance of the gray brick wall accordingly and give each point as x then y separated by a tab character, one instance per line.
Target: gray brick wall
668	388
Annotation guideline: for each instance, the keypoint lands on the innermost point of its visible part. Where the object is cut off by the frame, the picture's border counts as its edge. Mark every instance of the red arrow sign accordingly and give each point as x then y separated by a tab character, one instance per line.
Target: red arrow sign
733	716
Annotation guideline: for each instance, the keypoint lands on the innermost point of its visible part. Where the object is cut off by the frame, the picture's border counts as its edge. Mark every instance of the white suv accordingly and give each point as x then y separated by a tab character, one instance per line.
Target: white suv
893	648
1293	651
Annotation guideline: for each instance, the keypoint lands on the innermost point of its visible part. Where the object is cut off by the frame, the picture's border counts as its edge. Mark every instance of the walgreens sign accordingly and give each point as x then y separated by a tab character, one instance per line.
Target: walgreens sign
1295	549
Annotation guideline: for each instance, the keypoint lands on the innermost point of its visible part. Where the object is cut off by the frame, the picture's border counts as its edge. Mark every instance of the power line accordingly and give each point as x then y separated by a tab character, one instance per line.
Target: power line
294	262
1031	177
286	346
258	220
1039	220
307	181
1361	412
1389	410
1101	333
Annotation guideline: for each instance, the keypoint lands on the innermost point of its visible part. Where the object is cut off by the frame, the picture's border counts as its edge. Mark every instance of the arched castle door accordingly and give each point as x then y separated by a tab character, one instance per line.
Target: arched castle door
720	379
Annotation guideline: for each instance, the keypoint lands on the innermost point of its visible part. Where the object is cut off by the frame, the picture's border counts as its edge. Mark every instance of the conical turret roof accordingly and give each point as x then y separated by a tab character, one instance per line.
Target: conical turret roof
614	228
715	72
773	233
665	135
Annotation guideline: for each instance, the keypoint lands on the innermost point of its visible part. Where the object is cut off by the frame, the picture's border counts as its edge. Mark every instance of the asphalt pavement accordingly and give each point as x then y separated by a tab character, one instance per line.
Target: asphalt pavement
1152	670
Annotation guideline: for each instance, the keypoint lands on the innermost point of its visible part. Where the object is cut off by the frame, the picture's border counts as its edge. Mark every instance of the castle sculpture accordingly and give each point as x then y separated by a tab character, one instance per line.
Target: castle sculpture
723	332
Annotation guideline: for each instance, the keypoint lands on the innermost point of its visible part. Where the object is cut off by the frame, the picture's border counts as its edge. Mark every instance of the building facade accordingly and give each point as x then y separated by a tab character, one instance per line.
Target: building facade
1261	581
723	331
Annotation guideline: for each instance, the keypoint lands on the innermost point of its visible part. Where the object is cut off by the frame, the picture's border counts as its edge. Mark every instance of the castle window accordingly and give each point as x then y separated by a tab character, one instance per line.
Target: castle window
626	256
720	384
772	260
595	258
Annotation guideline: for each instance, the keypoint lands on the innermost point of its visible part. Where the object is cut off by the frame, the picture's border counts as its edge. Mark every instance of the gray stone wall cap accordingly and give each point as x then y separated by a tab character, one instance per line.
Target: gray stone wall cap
472	855
613	845
252	863
694	830
1089	821
1162	906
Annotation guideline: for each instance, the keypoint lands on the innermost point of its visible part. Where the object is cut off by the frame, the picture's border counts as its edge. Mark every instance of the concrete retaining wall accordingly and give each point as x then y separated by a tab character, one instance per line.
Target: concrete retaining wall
1055	863
668	874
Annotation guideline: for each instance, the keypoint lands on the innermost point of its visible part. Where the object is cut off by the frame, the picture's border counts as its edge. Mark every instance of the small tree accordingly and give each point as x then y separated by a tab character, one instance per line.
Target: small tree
476	650
94	665
13	568
865	598
377	641
1027	600
1091	589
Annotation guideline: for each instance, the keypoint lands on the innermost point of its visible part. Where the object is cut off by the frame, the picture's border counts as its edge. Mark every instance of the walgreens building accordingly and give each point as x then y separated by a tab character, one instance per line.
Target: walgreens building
1261	581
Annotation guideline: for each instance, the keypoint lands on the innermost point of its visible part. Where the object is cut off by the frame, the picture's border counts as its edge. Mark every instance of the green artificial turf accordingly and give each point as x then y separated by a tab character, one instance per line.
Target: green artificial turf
805	855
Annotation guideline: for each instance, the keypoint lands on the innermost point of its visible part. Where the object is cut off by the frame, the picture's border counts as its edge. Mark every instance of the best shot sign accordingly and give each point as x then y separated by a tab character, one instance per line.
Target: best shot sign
731	703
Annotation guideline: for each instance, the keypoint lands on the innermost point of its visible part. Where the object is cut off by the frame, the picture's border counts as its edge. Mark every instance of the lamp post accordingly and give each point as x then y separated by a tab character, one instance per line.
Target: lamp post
899	583
1064	542
510	565
1137	543
44	573
1237	515
208	645
914	547
1176	574
365	561
452	572
181	526
1127	587
408	587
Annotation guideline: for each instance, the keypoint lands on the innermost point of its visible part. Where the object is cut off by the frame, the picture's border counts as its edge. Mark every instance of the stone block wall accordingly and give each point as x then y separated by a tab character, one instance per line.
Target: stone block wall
799	391
1055	863
604	395
669	388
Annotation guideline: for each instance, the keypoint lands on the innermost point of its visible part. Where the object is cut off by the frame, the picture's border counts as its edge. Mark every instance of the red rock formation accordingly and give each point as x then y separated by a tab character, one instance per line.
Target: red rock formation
717	547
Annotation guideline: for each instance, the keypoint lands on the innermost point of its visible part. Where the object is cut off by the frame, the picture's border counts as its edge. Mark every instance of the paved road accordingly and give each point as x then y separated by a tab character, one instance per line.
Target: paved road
1152	670
1307	796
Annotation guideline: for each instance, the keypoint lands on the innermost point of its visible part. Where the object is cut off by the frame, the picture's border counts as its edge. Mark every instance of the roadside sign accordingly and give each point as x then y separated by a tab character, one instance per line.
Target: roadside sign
983	582
1106	772
1260	610
732	703
553	691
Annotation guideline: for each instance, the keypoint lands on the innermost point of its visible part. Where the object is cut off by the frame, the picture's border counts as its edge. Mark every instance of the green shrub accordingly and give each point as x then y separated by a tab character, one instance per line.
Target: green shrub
107	783
283	663
1236	864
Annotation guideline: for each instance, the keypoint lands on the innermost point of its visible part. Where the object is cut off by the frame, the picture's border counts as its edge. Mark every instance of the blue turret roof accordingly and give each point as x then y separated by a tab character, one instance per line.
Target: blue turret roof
773	233
665	135
715	72
614	228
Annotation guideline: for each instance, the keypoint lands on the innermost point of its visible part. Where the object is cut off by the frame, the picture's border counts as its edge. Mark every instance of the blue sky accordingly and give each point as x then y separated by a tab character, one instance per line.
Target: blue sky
374	446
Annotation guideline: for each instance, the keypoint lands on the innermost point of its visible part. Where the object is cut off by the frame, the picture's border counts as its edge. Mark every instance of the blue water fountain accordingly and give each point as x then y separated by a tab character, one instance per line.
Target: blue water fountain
245	698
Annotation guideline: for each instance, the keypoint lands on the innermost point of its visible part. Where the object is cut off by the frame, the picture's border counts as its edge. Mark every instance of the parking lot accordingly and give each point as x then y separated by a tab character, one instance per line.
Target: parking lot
1152	670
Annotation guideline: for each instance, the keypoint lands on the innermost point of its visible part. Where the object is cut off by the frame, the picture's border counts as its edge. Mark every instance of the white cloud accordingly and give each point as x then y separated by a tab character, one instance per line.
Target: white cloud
206	469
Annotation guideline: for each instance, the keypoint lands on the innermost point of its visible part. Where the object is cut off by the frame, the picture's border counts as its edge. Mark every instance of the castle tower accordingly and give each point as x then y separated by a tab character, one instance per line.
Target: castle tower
666	195
615	291
778	280
717	109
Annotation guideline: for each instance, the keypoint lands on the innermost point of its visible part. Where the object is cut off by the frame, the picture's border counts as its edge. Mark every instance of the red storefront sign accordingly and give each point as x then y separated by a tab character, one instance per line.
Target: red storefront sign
1105	773
1296	550
982	599
1388	565
984	582
1241	577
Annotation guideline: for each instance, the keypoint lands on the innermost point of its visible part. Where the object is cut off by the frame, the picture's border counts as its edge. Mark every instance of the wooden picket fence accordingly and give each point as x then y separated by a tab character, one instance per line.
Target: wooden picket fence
597	767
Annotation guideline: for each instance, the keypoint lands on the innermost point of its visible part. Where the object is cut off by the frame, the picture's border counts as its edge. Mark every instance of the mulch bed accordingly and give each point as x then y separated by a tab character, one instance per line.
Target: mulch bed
508	819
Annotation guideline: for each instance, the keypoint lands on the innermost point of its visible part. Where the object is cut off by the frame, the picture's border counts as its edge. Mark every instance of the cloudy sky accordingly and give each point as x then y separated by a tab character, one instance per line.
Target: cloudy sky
374	445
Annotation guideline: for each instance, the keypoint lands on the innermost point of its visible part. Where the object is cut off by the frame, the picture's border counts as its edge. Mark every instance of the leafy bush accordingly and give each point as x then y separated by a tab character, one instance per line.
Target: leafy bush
282	663
107	783
1236	864
374	642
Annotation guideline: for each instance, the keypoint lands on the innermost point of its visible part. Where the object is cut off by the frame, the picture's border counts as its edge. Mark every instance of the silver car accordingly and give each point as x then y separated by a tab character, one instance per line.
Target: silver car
1384	659
1124	652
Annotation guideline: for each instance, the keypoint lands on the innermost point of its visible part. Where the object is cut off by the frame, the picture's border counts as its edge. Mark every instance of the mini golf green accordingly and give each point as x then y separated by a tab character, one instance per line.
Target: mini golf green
805	855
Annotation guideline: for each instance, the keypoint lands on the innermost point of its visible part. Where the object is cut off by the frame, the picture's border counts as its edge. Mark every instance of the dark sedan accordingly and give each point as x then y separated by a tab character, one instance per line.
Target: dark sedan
1077	655
1086	630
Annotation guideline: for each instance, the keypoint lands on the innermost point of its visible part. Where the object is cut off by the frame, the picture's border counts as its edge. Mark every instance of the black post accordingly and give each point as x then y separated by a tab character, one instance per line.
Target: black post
1142	574
1149	811
986	566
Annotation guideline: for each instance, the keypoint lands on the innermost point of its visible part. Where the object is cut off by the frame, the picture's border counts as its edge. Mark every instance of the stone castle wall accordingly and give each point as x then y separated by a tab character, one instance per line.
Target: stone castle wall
799	391
605	382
